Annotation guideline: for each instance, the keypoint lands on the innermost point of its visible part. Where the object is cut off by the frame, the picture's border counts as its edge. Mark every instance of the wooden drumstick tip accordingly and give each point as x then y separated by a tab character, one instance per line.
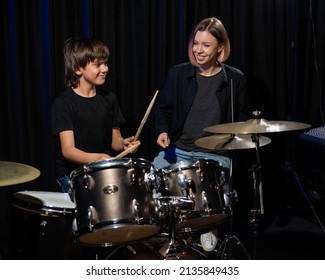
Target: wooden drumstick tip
144	119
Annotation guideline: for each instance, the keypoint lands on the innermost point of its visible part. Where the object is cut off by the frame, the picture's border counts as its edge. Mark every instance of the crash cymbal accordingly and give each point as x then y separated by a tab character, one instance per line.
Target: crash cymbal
256	126
230	142
12	173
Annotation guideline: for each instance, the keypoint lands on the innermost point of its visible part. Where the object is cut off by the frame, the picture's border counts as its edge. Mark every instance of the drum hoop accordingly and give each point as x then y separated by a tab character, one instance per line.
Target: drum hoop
117	223
107	163
47	211
35	202
189	164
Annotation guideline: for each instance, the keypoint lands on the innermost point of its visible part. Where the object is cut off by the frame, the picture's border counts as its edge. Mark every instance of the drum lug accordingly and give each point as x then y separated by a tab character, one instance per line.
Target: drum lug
154	178
191	189
136	211
151	181
85	179
201	175
183	183
166	184
156	201
132	176
222	178
43	225
205	202
92	216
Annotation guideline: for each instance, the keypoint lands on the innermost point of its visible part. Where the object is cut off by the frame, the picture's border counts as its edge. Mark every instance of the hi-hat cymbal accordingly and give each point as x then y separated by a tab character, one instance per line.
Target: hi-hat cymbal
230	142
12	173
256	126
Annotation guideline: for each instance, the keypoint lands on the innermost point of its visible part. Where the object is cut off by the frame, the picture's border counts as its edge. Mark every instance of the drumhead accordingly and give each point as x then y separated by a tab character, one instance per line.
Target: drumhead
44	203
110	163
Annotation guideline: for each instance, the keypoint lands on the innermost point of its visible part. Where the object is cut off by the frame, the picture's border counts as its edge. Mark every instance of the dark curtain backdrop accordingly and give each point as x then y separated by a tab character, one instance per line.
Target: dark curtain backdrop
278	44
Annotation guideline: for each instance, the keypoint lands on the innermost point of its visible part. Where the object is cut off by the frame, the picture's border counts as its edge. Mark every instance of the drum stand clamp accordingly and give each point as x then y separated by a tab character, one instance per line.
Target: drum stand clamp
171	248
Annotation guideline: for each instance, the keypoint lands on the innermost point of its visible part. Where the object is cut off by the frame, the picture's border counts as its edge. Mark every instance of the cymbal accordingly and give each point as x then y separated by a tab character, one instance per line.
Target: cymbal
256	126
12	173
230	142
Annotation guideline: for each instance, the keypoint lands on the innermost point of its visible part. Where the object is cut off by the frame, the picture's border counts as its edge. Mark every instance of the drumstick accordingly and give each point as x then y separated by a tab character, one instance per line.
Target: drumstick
128	150
145	116
132	148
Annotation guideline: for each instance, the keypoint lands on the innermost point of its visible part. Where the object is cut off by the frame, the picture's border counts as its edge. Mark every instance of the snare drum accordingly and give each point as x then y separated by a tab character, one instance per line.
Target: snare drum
115	202
200	181
41	226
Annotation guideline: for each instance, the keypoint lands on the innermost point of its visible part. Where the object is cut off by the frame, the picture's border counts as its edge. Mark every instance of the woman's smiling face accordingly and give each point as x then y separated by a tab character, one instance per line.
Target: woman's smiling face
205	48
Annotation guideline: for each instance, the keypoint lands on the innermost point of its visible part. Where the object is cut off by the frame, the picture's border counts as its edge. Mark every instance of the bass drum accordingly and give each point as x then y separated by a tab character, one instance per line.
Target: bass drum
115	201
198	181
41	226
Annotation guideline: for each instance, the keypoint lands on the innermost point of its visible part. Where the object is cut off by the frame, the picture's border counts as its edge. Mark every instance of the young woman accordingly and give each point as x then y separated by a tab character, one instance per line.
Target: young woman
197	94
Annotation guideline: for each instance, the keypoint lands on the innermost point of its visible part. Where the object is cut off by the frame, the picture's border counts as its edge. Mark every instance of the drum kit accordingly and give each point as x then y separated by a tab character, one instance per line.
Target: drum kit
120	202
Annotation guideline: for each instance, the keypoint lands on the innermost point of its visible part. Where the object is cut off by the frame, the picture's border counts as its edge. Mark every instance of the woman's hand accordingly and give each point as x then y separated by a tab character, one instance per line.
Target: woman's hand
163	140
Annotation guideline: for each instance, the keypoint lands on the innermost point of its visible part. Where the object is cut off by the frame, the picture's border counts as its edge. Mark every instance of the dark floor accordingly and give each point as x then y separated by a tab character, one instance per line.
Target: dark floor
288	234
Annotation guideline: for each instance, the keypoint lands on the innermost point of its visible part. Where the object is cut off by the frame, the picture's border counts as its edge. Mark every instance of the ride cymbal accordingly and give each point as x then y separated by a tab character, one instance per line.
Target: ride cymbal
230	142
12	173
256	126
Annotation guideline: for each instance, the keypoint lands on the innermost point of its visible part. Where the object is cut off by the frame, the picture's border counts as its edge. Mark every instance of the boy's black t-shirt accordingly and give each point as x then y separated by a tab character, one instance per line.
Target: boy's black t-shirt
90	119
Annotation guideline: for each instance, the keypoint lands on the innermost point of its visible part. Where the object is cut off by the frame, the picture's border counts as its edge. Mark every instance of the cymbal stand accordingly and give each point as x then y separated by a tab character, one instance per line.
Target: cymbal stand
225	249
258	208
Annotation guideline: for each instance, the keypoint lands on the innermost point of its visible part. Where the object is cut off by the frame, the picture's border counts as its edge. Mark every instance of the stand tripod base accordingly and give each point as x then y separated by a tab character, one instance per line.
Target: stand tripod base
232	249
169	251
